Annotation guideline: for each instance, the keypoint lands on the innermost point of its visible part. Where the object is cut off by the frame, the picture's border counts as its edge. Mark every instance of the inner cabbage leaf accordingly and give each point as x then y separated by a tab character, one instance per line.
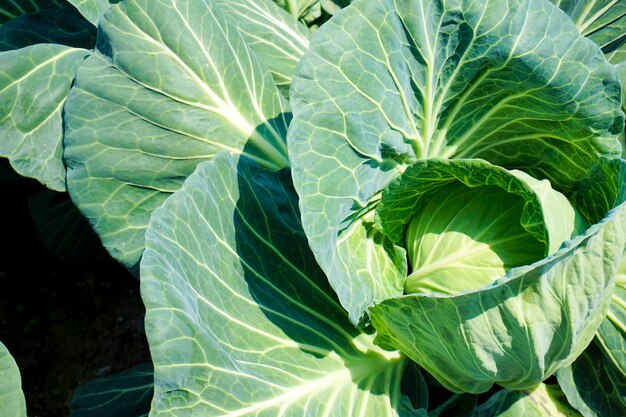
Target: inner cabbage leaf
462	234
537	319
464	238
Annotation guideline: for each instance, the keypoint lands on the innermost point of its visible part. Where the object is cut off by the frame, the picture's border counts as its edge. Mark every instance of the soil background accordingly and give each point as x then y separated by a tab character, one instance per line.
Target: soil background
65	320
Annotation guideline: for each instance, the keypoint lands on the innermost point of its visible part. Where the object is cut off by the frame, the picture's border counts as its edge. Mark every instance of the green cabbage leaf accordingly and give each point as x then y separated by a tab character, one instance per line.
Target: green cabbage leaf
13	9
593	385
240	319
602	21
124	394
468	222
34	85
167	88
12	401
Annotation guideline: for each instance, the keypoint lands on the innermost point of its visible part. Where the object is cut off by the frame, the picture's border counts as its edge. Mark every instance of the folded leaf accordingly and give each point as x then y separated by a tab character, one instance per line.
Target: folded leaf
465	222
34	83
547	214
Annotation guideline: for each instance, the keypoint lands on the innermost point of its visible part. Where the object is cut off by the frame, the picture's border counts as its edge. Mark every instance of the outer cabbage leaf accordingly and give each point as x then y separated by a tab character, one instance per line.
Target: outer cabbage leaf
386	82
592	199
169	87
540	401
124	394
602	21
12	401
604	188
612	332
593	386
618	56
240	319
621	69
276	37
12	9
63	25
34	84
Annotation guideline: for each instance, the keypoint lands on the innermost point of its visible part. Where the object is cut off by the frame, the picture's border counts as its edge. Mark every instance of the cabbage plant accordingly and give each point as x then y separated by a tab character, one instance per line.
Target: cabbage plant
418	245
415	209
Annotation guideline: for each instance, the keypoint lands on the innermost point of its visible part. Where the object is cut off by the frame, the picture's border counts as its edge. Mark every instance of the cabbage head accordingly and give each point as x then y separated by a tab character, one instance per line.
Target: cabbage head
459	178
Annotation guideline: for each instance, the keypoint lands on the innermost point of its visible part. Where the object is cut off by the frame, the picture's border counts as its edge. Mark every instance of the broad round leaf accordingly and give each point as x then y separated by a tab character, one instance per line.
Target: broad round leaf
169	87
240	319
276	37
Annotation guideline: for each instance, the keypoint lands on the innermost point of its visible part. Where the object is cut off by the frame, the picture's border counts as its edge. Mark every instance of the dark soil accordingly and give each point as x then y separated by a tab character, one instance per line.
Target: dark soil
66	321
